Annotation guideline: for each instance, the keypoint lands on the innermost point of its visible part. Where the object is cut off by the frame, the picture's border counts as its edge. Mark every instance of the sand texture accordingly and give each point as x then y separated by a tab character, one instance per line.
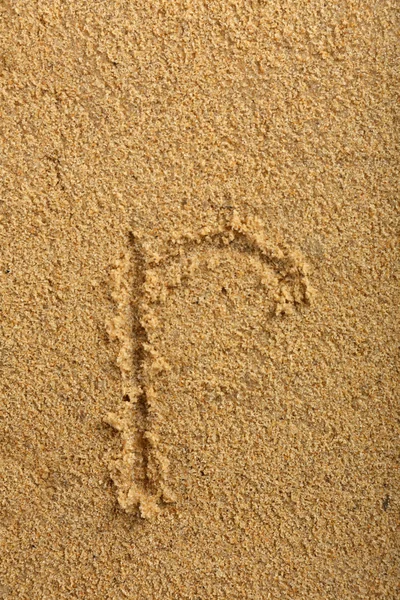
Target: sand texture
199	300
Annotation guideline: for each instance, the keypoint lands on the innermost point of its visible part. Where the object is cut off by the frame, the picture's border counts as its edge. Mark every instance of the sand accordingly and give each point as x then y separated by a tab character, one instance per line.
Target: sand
199	299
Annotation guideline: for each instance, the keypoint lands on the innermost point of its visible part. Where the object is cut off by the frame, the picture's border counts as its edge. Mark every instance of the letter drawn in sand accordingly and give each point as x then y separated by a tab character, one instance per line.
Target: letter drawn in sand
152	293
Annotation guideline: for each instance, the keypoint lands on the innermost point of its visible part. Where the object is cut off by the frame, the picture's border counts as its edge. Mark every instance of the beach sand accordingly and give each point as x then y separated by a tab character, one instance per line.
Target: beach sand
199	300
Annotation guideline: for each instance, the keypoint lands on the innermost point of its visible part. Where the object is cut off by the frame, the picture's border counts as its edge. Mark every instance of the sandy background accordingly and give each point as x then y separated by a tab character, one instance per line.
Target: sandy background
139	141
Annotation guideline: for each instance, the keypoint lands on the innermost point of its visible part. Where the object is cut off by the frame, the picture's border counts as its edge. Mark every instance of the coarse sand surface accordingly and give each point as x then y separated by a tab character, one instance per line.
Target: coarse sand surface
199	300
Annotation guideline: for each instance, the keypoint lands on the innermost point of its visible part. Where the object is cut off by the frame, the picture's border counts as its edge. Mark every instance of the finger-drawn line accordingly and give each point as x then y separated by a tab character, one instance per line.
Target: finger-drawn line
139	470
